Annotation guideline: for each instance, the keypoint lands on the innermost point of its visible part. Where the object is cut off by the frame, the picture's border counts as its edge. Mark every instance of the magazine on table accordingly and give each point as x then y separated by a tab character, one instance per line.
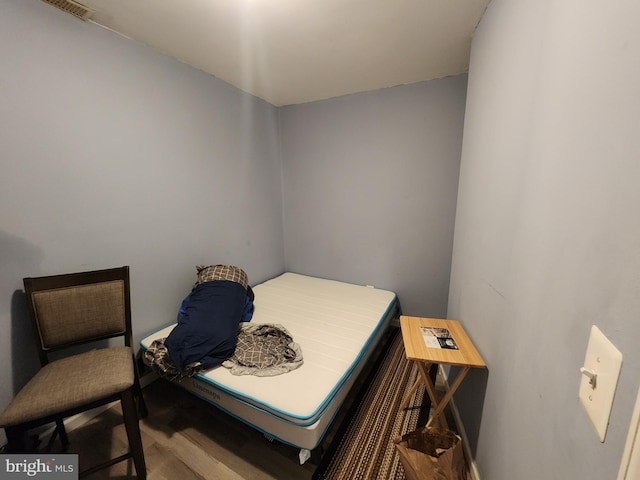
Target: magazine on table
438	338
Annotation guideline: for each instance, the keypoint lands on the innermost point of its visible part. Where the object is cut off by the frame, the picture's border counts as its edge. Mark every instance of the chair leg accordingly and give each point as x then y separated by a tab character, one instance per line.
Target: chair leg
132	426
17	440
63	434
138	365
142	405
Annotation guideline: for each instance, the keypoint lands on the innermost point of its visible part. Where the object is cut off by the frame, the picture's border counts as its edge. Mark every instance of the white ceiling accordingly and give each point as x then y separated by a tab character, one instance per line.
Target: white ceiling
296	51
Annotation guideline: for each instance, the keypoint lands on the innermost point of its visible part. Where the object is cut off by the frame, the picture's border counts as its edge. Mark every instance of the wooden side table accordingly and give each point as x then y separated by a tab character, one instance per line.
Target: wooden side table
429	341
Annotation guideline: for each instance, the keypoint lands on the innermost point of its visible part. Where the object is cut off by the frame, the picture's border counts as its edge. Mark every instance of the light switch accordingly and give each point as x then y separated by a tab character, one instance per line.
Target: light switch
600	374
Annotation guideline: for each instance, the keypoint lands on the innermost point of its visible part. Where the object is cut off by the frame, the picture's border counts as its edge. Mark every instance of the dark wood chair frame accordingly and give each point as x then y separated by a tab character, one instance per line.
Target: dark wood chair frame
131	399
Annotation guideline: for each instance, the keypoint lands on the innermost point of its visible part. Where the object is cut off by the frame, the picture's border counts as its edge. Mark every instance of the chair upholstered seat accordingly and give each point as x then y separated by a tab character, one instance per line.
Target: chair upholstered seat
53	390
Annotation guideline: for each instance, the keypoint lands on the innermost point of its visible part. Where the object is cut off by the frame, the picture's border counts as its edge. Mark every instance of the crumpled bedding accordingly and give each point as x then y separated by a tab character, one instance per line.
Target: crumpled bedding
157	355
208	322
264	350
208	332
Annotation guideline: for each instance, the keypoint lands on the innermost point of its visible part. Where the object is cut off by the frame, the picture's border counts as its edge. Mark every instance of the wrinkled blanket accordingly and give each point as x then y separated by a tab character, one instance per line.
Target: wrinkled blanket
157	355
264	350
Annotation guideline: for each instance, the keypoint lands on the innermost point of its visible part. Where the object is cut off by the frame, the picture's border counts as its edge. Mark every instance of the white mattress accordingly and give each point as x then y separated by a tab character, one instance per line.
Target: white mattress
337	326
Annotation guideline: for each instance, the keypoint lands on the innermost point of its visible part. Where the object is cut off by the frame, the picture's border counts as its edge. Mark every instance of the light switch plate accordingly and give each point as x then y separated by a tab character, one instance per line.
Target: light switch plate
604	361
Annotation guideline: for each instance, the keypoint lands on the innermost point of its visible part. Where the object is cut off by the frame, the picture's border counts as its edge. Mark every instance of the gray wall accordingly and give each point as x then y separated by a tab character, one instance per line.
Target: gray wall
547	239
113	154
370	184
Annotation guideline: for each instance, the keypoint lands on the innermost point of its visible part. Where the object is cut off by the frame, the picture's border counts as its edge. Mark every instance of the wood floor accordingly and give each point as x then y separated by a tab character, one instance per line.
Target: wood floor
185	438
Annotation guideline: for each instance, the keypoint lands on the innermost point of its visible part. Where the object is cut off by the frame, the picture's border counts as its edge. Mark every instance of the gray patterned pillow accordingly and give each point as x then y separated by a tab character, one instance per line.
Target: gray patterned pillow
221	272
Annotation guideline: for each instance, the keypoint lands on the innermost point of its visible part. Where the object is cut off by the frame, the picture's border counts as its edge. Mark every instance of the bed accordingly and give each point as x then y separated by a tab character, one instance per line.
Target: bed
337	326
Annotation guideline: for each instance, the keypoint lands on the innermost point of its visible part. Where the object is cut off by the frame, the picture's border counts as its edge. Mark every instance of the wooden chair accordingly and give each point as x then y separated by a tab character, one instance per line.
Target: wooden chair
68	311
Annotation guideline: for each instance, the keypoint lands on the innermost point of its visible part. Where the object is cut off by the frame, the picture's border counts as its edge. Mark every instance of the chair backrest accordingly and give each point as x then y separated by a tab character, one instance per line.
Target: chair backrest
78	308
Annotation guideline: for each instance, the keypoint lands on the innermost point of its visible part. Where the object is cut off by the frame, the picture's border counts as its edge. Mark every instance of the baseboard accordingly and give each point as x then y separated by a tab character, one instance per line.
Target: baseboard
471	463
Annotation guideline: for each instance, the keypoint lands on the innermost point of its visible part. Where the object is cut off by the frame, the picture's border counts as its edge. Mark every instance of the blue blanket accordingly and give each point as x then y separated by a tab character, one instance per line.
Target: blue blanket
207	330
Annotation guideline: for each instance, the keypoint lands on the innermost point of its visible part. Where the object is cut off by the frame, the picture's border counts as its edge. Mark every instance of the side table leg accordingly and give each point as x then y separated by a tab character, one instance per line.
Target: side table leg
407	398
447	396
433	395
